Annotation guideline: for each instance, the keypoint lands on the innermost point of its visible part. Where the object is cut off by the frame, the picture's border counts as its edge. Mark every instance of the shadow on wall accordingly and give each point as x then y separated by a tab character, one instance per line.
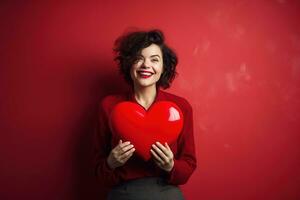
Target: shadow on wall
94	84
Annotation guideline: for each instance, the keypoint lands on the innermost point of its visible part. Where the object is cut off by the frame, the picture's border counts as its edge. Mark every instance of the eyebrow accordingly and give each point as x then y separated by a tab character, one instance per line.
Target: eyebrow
154	55
150	56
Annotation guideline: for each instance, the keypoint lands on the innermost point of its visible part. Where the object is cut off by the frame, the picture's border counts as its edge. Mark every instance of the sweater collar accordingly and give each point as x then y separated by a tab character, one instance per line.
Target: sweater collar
159	96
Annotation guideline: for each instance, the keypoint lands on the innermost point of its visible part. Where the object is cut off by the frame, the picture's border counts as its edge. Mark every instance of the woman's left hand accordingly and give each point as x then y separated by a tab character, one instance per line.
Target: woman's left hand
163	156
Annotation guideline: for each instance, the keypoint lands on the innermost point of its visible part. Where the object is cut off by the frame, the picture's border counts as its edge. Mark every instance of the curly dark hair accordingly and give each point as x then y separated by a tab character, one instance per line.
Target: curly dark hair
129	46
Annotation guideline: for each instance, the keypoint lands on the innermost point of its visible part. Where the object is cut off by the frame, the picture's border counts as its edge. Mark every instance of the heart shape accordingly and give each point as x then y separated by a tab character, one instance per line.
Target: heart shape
162	122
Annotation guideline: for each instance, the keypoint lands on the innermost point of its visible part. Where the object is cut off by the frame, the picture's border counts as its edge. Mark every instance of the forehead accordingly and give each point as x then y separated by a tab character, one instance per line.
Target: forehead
153	49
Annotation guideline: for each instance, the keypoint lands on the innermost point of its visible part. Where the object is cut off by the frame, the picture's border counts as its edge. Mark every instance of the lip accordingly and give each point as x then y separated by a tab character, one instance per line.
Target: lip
144	76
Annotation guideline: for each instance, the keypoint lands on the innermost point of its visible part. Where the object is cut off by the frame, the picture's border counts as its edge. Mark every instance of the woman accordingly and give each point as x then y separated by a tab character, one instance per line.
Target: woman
147	64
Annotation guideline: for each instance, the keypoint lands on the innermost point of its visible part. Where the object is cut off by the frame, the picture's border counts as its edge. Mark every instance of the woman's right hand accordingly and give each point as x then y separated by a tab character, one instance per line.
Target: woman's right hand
120	154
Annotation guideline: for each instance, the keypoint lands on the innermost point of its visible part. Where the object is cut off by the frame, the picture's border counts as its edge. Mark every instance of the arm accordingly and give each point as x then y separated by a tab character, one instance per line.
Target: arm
185	159
102	148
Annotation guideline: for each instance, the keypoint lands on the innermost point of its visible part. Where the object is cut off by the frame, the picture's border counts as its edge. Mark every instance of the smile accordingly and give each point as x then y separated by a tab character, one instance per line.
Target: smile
144	74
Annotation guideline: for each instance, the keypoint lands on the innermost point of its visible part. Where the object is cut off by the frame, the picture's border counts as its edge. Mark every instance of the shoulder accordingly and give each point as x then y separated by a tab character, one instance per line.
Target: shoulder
107	103
182	102
108	99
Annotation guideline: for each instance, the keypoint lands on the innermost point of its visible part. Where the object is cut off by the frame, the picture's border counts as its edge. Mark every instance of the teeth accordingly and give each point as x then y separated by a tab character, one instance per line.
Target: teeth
145	73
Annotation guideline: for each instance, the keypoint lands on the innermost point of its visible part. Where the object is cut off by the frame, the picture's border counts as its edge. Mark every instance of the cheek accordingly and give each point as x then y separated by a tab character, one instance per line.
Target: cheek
161	70
158	68
132	70
132	76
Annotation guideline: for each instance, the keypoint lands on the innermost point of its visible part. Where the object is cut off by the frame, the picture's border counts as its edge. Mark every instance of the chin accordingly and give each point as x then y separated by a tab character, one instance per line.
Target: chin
145	84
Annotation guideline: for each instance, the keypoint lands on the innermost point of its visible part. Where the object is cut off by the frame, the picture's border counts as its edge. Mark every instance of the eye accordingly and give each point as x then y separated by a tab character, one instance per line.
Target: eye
155	60
138	59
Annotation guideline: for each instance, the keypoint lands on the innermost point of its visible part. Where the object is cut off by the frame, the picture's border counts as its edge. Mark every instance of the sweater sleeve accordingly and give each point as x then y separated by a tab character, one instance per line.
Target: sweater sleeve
185	159
102	148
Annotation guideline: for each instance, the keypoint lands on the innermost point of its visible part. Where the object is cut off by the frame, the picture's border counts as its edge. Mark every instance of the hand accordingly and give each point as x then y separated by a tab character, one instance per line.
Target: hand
120	154
163	156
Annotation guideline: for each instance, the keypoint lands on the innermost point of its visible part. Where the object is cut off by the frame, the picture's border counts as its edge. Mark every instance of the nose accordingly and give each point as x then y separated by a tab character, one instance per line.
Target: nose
145	64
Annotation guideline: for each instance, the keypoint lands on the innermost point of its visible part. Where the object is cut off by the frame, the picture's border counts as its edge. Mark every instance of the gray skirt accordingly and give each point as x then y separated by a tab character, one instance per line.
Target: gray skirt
145	189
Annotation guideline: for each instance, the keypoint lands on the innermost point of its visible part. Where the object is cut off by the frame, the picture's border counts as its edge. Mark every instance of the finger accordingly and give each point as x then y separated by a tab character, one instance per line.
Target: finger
159	152
126	148
163	149
121	145
124	144
157	162
156	157
127	158
127	154
167	146
118	146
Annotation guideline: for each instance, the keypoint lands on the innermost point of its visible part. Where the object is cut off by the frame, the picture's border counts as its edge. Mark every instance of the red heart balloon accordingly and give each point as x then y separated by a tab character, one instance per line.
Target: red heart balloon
162	122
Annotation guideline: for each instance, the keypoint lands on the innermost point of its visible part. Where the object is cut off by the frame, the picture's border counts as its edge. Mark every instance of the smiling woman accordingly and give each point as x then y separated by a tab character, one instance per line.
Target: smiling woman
146	48
147	65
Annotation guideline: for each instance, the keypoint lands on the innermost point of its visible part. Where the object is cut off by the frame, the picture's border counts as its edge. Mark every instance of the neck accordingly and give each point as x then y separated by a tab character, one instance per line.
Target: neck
145	95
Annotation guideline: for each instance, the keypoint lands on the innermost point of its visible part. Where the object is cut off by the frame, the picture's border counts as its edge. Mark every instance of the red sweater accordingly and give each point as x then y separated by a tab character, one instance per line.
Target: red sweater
135	167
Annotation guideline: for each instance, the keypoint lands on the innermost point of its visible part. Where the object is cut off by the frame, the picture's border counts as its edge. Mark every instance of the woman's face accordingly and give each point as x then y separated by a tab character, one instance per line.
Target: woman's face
148	68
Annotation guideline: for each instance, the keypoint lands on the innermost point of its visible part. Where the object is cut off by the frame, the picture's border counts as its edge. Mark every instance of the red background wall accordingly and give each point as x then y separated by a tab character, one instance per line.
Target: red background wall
239	68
